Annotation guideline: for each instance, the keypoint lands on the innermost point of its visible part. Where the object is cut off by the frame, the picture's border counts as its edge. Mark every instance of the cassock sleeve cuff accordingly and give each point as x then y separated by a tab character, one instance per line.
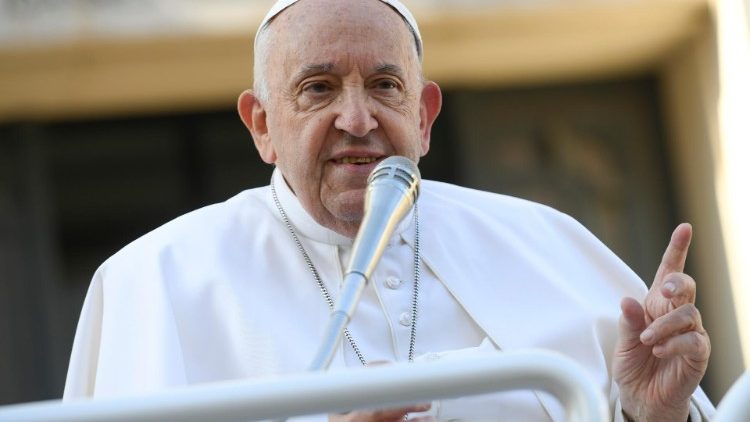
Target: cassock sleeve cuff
696	413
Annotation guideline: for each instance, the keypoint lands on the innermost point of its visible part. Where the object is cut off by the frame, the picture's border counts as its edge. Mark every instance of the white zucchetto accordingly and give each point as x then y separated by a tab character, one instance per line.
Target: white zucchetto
399	7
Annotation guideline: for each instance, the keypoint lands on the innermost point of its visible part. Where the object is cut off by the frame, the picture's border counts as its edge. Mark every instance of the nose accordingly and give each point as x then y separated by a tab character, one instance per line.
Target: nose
355	114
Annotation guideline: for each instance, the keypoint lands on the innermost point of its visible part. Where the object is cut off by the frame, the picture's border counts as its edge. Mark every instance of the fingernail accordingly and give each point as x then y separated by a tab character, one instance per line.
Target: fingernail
647	335
670	287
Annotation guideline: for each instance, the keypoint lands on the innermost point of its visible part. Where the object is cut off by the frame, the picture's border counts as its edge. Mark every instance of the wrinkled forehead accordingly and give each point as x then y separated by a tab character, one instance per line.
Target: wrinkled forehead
396	5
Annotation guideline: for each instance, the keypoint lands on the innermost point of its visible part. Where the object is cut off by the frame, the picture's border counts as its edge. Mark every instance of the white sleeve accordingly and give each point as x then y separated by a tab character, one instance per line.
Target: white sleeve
701	408
84	358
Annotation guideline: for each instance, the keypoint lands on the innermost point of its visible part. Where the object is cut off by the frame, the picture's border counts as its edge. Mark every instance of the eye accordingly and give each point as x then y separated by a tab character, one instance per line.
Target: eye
316	87
386	84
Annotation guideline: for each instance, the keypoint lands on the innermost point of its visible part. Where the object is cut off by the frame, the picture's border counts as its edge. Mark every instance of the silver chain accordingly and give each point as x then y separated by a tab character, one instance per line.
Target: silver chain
329	299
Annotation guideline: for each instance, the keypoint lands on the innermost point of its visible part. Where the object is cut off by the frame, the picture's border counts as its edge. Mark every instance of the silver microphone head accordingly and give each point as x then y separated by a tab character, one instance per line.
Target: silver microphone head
399	169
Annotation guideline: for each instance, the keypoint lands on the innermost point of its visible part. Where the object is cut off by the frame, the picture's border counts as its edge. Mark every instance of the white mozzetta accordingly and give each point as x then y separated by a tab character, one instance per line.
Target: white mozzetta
221	293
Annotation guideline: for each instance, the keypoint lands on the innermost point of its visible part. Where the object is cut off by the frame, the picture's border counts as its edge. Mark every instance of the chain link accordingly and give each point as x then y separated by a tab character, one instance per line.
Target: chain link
415	293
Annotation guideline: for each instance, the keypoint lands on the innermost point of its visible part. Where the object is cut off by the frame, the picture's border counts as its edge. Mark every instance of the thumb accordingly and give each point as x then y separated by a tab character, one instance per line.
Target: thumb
632	322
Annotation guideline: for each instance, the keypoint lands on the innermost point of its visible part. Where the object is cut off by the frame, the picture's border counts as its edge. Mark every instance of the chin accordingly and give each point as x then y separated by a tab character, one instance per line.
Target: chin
349	206
349	214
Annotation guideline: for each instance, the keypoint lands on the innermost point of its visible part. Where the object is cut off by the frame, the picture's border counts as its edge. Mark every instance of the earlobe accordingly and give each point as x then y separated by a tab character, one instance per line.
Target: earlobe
431	102
253	115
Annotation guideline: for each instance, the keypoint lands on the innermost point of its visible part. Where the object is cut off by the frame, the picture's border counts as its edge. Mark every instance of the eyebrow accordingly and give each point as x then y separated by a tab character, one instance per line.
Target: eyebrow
318	68
313	69
390	68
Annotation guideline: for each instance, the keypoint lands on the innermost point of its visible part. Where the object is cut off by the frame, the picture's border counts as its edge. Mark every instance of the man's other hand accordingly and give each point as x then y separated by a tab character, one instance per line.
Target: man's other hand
390	415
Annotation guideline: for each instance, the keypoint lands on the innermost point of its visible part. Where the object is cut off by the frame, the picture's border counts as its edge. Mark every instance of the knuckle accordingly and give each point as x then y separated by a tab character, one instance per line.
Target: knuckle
675	277
694	340
690	284
684	282
691	312
699	344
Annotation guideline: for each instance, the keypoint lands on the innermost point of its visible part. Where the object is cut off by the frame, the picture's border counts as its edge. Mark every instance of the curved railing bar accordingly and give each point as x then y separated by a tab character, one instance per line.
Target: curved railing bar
339	390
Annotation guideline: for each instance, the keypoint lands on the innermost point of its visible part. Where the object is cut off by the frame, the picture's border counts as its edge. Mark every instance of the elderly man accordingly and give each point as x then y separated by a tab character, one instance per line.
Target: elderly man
243	288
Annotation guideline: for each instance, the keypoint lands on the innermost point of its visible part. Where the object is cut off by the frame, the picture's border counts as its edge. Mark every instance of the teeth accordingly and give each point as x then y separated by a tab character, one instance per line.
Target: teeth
357	160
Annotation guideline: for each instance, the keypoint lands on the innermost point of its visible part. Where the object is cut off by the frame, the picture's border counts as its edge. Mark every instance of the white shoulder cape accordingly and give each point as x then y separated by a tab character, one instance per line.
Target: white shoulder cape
220	293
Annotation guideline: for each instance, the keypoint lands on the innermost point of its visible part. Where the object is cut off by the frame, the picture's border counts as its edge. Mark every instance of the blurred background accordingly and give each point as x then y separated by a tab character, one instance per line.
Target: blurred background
119	115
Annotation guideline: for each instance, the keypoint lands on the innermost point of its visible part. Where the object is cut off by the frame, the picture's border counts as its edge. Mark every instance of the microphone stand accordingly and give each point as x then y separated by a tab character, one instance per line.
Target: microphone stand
354	285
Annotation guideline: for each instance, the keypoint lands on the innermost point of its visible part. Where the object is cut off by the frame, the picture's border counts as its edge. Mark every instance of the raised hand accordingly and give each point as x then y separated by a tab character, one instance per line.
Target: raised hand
662	350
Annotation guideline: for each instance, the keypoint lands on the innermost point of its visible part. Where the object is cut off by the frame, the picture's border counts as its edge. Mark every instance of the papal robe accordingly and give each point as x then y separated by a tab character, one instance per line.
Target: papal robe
223	293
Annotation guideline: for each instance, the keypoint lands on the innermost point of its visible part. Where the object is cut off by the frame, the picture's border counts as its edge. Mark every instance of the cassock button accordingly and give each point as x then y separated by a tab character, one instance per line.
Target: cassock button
404	319
392	282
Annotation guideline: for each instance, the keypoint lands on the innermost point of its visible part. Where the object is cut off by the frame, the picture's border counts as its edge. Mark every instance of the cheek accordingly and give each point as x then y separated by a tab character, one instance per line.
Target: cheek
287	138
301	141
315	137
406	135
305	149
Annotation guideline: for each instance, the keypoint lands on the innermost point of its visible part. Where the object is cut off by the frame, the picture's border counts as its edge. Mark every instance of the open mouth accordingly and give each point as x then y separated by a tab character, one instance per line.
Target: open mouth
357	160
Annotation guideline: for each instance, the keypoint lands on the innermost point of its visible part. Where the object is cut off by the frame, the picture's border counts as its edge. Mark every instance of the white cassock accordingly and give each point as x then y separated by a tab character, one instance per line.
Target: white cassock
223	293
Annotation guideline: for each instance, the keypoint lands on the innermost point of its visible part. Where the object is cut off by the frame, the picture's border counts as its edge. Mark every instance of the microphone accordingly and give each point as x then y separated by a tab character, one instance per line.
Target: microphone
392	190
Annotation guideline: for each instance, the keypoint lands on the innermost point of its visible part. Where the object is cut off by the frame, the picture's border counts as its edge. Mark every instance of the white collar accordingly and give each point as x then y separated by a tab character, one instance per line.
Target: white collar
306	226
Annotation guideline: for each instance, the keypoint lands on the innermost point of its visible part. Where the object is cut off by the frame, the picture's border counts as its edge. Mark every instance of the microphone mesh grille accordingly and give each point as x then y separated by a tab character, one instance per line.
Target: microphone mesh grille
399	168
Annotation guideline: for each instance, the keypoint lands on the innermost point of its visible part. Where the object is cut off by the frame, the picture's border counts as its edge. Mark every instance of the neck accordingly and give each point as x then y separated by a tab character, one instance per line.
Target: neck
346	228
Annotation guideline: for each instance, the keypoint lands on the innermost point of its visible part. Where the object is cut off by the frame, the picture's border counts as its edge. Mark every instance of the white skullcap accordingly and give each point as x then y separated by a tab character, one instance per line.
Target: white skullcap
280	5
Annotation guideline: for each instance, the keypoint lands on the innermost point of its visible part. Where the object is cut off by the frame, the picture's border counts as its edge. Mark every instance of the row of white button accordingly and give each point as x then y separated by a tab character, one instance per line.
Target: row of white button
394	283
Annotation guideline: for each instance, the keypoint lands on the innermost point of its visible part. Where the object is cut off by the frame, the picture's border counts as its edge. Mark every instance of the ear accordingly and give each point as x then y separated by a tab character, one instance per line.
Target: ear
429	108
253	115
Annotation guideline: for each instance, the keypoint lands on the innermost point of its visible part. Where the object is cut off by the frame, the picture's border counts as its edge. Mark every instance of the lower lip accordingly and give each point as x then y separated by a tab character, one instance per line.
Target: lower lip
358	168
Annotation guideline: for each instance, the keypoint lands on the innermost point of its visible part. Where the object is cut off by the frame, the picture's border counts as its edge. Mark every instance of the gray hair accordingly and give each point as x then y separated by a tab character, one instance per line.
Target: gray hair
260	62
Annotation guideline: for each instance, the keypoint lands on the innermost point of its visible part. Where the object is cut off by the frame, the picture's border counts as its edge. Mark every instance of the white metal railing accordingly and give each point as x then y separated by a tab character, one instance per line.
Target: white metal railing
337	391
735	406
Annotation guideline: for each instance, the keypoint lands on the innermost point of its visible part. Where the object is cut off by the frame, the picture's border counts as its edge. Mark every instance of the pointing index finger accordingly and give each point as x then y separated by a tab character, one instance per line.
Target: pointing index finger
674	257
